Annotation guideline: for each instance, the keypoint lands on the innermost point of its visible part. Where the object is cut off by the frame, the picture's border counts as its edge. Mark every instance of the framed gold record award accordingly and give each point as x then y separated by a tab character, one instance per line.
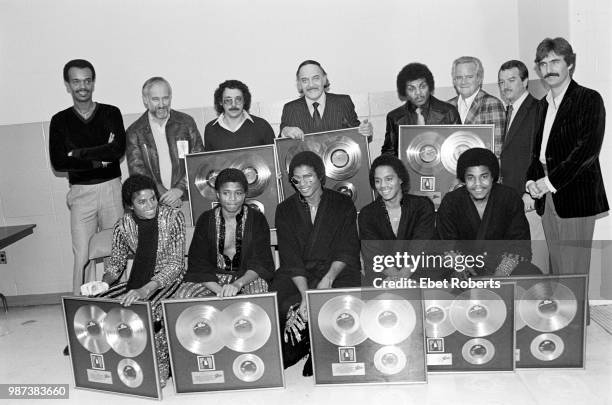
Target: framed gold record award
469	330
430	153
111	346
366	336
345	154
224	344
256	162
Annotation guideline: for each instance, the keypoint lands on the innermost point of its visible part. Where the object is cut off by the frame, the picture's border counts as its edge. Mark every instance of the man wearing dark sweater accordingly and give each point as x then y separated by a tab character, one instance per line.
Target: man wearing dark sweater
235	127
87	140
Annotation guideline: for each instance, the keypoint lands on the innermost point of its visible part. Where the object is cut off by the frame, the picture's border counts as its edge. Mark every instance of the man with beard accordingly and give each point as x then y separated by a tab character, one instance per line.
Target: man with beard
158	141
87	140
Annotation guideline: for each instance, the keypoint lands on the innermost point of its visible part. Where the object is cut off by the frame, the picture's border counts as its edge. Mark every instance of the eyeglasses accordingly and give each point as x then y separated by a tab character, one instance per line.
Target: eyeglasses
307	178
236	100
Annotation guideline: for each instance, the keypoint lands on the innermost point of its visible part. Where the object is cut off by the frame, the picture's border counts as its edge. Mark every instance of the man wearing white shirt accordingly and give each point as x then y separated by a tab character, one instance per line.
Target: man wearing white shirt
564	176
158	141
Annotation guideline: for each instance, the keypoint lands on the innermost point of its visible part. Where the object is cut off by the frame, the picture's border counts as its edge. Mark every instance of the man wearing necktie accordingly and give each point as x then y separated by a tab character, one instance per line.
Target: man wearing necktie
564	176
475	105
513	78
318	110
415	84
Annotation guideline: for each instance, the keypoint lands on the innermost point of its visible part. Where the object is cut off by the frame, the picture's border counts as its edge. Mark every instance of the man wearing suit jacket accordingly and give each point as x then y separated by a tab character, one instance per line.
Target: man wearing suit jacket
513	77
475	105
564	176
317	110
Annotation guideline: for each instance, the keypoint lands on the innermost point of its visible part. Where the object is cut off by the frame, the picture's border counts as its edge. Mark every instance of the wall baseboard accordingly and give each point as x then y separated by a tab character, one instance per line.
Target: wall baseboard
35	299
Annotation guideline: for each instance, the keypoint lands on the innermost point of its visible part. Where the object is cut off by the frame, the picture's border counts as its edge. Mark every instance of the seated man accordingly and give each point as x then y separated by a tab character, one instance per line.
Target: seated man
483	210
155	235
317	110
318	248
230	251
235	127
415	83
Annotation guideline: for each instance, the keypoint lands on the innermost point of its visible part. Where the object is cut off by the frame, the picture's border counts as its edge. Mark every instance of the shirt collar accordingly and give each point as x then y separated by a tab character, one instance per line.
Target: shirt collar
517	104
222	124
154	121
468	101
556	101
321	102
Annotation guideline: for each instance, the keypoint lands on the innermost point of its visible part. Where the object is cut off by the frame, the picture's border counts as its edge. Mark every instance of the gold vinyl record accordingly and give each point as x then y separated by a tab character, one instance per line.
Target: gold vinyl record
199	329
478	351
306	144
389	360
548	306
125	332
342	157
547	347
388	319
437	318
248	367
207	173
478	312
519	323
455	145
340	320
248	327
130	373
424	152
256	171
346	188
89	328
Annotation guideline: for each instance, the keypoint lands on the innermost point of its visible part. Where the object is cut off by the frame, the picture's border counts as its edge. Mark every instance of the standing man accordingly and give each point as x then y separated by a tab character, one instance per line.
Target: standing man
159	140
235	127
415	83
475	105
317	110
564	176
87	140
513	78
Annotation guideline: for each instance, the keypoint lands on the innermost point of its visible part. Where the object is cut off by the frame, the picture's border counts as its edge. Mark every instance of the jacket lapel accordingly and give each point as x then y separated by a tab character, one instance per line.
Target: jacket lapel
564	108
518	119
470	118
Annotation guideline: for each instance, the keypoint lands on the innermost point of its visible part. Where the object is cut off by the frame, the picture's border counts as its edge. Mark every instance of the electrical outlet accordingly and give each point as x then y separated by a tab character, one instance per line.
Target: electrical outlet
2	257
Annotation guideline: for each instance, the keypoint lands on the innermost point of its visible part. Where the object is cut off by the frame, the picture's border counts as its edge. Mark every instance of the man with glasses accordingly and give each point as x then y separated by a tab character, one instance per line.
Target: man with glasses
235	127
158	141
415	84
318	248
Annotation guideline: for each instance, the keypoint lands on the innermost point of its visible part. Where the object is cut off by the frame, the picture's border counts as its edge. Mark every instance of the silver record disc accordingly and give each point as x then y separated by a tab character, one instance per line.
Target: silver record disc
130	373
346	188
340	320
199	329
390	360
455	145
437	319
206	175
519	323
341	157
248	367
388	319
125	332
301	146
478	312
478	351
248	327
89	328
547	347
548	306
256	171
423	153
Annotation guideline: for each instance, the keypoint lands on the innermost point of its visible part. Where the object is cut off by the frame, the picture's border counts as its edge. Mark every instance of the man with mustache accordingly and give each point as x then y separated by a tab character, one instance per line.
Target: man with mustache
564	176
317	110
158	141
235	127
475	105
415	84
87	140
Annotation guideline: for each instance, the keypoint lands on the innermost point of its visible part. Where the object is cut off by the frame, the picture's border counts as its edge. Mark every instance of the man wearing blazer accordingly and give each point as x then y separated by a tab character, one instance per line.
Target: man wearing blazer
564	176
158	141
475	105
317	110
515	157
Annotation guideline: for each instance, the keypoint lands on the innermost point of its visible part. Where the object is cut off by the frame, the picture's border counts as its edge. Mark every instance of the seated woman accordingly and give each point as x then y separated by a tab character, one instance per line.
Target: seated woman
318	248
395	214
155	234
483	210
230	252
